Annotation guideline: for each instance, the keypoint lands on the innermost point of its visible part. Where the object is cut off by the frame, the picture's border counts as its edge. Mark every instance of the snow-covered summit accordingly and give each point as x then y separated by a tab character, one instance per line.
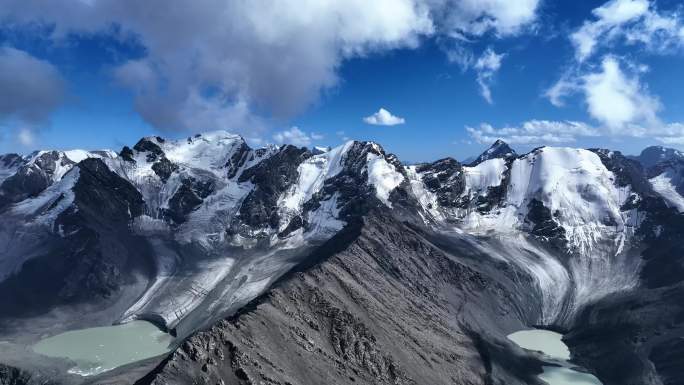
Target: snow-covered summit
574	194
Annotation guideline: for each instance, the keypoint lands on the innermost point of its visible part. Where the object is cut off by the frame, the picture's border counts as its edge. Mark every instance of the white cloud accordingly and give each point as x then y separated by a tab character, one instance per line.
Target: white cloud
342	135
25	137
543	132
465	18
533	132
240	64
296	137
486	67
233	64
560	90
383	118
611	87
30	88
634	21
616	99
672	133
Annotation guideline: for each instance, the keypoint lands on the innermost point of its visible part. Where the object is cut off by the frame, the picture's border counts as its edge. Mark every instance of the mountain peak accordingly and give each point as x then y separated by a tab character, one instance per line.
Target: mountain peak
498	149
653	155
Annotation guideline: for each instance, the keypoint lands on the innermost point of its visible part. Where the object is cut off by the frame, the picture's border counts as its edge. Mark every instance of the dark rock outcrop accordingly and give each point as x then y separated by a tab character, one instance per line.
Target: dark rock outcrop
11	160
271	178
543	224
499	149
151	146
164	168
444	178
653	155
31	179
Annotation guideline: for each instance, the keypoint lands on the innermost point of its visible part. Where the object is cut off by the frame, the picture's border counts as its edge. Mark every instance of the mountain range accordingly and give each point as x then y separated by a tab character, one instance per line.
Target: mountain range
288	265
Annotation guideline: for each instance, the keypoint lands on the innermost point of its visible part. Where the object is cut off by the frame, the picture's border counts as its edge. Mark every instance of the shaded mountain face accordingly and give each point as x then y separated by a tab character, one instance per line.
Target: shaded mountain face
499	149
373	271
665	170
653	155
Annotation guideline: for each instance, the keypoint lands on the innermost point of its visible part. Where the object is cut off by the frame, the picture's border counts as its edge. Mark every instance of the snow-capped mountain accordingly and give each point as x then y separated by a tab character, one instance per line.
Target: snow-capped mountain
221	219
186	232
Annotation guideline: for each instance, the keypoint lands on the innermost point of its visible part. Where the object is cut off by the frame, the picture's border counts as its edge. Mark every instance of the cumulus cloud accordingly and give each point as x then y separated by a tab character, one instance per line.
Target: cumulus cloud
464	19
233	64
242	64
295	136
671	133
610	86
383	118
343	136
533	132
30	88
25	137
486	67
614	98
631	21
541	132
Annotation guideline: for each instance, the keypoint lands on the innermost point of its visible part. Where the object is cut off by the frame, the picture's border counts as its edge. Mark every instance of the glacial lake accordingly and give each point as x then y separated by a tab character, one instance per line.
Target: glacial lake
551	344
97	350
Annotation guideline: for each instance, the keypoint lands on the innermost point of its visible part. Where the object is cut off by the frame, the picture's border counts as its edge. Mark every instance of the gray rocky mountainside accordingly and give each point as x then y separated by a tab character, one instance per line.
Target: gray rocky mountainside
283	265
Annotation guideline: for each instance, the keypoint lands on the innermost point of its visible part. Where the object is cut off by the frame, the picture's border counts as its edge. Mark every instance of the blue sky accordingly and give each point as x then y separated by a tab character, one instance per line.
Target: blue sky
451	75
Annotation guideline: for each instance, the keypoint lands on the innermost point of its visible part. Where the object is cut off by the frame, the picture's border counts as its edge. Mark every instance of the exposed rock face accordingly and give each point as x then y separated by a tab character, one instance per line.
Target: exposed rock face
151	146
10	160
499	149
543	224
653	155
383	306
628	172
31	179
270	178
14	376
444	178
188	197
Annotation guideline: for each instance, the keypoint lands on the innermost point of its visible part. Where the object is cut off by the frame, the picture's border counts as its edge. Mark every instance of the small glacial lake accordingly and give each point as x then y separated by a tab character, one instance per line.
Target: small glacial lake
551	344
97	350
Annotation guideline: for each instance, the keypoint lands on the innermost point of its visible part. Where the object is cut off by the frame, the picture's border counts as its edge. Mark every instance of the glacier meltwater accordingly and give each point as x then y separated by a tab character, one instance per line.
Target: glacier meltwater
561	371
97	350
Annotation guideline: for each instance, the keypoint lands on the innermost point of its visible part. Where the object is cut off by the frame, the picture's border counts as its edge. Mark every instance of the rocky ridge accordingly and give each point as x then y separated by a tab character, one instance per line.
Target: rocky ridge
325	250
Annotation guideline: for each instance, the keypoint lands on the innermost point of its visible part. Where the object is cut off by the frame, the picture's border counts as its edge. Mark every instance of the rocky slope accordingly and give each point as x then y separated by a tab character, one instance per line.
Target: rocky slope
362	269
381	304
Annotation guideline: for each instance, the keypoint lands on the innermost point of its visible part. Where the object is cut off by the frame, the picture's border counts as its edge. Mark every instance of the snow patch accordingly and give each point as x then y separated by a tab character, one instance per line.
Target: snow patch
383	176
208	151
426	198
664	184
44	208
